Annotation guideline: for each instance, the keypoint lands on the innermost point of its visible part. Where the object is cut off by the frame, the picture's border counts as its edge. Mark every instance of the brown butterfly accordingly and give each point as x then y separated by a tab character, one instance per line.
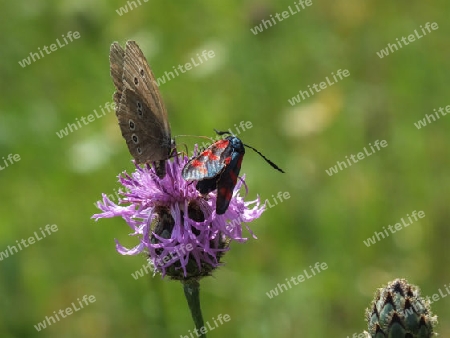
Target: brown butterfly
139	107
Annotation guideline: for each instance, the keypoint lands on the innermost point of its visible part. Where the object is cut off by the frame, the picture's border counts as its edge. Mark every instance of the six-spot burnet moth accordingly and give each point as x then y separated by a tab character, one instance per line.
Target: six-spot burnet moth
217	167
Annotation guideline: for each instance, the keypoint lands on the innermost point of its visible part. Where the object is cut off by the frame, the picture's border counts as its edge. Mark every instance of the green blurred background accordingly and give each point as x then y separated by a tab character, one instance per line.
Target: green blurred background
57	181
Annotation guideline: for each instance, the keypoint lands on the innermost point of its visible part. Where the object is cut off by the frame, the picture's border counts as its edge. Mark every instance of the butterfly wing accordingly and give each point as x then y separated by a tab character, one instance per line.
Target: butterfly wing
141	112
116	61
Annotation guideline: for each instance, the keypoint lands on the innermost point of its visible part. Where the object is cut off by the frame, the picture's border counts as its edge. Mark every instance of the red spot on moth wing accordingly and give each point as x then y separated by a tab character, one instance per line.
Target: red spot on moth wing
233	177
197	163
224	195
238	165
199	166
206	152
210	155
221	144
227	193
224	191
227	160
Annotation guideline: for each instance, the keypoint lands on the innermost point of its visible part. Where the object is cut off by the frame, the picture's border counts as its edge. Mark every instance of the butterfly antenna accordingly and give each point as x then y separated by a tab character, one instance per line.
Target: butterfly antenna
205	137
273	165
176	153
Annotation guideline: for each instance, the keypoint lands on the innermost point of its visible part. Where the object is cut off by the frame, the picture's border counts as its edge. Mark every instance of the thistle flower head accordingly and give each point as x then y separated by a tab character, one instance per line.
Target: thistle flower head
398	310
177	227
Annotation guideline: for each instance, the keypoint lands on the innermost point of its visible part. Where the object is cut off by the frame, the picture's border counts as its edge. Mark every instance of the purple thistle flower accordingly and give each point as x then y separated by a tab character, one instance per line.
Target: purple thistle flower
183	245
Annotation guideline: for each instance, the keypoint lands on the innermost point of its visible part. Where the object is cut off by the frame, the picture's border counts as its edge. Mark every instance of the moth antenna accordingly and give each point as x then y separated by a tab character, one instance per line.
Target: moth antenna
273	165
222	132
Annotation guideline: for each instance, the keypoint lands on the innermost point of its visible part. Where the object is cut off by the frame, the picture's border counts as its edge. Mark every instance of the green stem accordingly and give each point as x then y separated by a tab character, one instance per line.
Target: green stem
192	293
